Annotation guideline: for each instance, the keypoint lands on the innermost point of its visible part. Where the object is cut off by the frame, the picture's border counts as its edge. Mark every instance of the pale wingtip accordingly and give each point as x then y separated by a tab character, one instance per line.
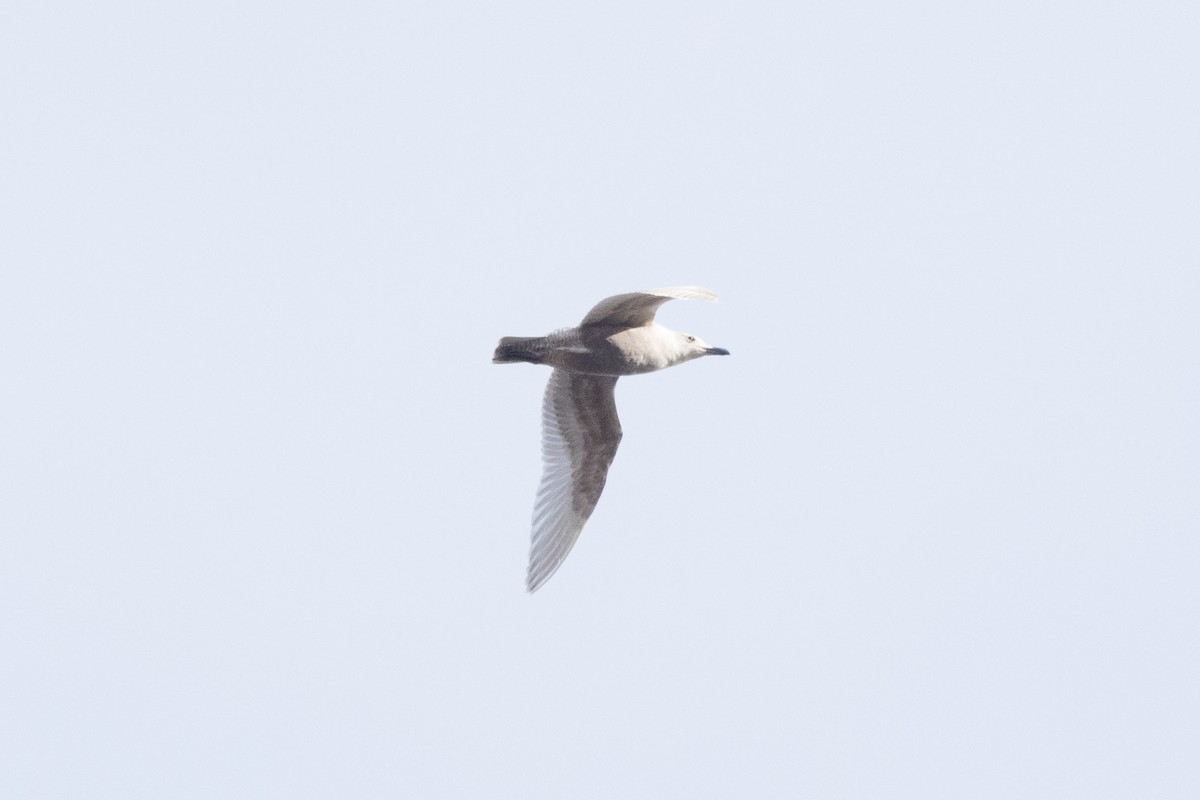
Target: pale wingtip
535	578
532	584
686	293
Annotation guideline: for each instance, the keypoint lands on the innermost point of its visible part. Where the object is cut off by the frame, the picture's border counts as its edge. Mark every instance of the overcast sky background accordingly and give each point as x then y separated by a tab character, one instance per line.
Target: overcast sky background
933	530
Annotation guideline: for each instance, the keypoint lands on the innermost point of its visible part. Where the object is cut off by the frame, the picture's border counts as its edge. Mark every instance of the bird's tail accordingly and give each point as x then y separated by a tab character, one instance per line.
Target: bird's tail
513	349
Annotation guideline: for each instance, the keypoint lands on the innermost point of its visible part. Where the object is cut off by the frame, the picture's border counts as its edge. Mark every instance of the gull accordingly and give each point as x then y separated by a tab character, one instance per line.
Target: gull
580	428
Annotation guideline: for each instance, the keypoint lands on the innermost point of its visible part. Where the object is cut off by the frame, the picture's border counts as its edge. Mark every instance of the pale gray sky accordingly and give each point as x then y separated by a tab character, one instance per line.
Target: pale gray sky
933	529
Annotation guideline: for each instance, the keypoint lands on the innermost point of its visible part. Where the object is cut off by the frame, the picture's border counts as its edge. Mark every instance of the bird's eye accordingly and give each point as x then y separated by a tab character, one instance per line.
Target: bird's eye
691	338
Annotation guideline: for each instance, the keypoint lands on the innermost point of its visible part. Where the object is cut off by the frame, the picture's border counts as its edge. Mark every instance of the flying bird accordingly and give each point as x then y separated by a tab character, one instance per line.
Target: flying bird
580	429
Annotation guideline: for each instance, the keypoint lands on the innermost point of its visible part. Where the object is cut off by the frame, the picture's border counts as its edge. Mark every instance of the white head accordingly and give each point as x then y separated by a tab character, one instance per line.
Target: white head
689	347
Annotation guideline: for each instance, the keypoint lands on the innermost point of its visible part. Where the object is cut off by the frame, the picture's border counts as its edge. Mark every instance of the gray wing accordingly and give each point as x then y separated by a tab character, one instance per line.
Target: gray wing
580	434
637	308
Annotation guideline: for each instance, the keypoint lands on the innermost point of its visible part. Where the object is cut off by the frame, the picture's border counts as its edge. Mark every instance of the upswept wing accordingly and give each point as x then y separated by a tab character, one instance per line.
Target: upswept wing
580	434
636	309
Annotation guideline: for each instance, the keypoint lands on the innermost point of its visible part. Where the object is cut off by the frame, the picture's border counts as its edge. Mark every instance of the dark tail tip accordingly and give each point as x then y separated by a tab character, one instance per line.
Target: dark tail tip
512	350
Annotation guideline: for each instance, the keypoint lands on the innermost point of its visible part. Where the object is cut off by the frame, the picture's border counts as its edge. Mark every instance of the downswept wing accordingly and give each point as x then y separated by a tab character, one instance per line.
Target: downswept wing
636	309
580	434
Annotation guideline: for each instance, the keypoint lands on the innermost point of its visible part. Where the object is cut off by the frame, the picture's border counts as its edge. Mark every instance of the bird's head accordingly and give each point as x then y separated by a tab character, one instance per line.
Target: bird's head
690	347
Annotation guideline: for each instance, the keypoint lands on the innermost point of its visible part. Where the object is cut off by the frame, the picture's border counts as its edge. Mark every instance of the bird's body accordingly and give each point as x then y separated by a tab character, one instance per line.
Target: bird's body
598	349
580	428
